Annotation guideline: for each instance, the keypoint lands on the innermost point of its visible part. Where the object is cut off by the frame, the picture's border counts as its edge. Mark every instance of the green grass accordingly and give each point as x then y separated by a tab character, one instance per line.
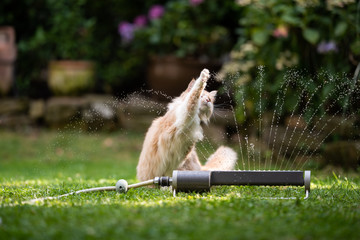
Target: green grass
40	164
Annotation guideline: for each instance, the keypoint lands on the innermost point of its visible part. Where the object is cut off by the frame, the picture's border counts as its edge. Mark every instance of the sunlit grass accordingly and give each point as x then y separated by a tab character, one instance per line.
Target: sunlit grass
48	164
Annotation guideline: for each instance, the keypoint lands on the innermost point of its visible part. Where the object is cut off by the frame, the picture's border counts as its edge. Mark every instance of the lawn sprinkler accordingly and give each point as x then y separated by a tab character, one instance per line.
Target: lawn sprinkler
200	181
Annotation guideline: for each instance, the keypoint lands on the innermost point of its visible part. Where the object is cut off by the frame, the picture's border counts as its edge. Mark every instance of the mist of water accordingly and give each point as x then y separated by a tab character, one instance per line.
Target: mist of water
285	129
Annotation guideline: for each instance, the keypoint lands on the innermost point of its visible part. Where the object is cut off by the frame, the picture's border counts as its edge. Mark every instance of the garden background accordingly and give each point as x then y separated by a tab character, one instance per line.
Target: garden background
82	80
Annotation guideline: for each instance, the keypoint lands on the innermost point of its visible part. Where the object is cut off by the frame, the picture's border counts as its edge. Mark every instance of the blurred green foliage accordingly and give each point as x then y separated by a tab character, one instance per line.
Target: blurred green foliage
204	30
67	29
277	34
309	50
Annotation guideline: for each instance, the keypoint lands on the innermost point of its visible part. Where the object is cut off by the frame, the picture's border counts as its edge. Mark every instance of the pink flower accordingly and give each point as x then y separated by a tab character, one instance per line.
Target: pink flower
140	21
281	32
195	2
126	31
156	12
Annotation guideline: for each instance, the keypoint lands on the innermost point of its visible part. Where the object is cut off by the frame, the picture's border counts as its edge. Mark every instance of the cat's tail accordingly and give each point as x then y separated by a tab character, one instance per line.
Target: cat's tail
223	159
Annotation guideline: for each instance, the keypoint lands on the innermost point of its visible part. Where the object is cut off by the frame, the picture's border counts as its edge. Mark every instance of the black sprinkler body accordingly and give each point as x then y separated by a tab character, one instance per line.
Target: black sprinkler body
199	181
188	181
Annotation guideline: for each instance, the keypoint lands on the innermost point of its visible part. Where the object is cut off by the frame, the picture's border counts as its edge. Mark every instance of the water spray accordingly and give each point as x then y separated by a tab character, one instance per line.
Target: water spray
202	181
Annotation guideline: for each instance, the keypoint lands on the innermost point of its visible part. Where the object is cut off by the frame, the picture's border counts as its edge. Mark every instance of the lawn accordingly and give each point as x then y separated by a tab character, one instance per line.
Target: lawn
49	163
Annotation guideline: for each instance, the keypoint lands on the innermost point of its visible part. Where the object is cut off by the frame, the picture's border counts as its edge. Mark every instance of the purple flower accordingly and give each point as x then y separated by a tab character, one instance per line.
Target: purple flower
140	21
156	12
126	31
327	47
195	2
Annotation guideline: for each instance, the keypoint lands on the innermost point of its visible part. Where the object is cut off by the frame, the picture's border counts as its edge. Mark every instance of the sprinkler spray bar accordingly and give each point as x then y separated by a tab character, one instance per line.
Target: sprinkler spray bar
187	181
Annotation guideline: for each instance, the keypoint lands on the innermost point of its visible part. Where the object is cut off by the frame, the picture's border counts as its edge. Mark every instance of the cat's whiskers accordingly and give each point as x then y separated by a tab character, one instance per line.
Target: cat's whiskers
222	106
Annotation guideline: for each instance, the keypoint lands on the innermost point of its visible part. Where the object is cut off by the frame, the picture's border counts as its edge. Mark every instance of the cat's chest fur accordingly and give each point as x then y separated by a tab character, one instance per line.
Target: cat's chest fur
177	141
172	137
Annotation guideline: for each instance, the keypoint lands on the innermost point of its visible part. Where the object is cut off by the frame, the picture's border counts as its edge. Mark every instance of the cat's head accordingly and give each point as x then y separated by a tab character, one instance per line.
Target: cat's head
207	100
206	105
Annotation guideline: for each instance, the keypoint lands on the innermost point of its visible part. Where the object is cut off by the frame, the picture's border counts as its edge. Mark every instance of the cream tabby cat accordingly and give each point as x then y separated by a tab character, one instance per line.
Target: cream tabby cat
170	141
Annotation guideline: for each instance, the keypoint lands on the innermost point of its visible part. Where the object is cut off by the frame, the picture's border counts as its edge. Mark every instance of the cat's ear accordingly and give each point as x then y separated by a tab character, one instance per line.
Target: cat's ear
213	94
191	84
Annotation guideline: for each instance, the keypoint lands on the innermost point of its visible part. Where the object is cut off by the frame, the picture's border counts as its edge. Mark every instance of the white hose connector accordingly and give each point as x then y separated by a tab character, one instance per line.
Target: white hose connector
121	186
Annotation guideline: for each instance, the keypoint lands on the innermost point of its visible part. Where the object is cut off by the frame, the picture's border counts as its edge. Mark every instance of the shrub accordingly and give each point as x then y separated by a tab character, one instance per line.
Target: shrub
81	29
314	43
184	28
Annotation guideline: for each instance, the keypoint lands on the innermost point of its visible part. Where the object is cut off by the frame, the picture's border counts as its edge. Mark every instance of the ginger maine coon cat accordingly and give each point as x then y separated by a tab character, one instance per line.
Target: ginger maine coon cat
170	141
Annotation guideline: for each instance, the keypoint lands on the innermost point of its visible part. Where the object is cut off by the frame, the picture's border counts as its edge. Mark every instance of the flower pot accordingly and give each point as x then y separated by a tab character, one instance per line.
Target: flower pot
7	59
71	77
171	75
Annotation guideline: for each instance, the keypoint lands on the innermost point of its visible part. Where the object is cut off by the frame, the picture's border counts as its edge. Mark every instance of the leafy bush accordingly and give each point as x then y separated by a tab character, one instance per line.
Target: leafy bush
81	29
183	28
318	38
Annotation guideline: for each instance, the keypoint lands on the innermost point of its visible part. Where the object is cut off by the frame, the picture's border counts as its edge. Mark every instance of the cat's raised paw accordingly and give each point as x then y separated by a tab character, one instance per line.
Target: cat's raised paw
205	75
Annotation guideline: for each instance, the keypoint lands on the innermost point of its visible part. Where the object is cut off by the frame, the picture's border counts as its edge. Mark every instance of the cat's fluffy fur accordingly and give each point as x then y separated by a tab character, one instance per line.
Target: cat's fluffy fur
170	141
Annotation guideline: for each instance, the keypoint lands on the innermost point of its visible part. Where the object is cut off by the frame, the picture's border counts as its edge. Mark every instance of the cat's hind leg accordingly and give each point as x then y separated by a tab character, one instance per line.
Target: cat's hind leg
223	159
191	162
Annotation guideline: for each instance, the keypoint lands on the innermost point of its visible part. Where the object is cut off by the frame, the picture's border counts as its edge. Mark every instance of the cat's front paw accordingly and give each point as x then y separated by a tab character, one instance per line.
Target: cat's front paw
205	75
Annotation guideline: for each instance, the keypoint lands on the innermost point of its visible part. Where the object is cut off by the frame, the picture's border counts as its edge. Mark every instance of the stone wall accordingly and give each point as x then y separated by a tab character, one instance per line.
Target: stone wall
94	112
90	112
136	112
